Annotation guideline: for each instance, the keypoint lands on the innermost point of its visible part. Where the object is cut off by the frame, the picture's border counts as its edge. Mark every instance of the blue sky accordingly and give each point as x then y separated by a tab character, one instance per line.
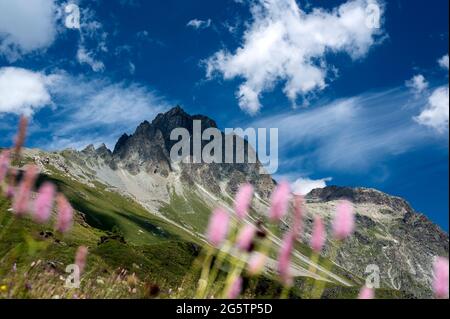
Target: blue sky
355	104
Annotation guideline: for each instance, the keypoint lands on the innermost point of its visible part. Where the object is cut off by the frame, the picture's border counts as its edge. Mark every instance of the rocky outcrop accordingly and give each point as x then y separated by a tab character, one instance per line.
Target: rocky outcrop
389	235
148	150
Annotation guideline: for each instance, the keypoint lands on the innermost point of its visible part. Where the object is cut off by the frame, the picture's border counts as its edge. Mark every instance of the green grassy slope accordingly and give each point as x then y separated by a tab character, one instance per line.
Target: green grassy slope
118	232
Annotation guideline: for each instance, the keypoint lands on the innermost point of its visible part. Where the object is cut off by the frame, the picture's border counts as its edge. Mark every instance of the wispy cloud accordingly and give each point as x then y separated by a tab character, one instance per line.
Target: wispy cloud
92	41
418	84
86	57
99	110
352	133
199	24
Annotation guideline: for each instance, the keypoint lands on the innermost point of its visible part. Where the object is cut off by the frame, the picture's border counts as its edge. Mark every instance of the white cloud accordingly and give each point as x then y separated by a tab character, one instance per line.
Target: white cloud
86	57
22	91
352	133
92	44
26	26
284	43
443	62
304	185
199	24
417	84
435	114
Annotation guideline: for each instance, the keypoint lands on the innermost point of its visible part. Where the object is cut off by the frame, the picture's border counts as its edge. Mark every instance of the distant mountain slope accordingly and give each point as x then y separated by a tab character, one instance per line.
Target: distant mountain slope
390	234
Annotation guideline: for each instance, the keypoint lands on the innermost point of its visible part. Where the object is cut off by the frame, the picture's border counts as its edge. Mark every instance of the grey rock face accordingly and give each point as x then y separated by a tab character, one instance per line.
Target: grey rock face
388	234
148	149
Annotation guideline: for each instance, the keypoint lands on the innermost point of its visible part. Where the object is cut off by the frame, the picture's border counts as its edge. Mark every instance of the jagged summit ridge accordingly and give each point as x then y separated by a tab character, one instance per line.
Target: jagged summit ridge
161	127
148	150
360	195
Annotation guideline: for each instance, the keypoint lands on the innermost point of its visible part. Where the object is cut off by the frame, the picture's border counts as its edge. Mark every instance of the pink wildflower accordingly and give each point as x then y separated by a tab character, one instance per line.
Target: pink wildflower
4	165
366	293
318	235
21	135
21	200
10	185
440	280
344	220
81	257
65	214
218	226
44	202
10	191
235	289
279	201
245	237
284	259
256	263
243	200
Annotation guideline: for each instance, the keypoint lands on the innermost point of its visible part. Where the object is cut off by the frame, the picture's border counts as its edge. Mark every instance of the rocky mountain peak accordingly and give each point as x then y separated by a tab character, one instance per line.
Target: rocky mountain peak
90	149
103	151
120	143
161	127
143	128
178	118
148	149
360	195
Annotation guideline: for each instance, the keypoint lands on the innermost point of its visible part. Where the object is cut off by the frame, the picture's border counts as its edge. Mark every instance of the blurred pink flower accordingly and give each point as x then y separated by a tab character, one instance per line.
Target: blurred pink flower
279	201
44	202
245	237
366	293
243	200
21	134
218	226
318	235
21	201
81	257
10	187
65	214
10	191
344	220
4	164
235	289
256	263
284	259
440	278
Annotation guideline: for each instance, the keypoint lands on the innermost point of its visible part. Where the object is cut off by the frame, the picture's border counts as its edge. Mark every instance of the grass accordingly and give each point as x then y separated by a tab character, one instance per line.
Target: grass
110	211
152	248
188	210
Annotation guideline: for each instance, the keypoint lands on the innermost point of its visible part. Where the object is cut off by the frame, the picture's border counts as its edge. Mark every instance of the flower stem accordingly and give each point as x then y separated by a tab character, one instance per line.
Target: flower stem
319	285
203	281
